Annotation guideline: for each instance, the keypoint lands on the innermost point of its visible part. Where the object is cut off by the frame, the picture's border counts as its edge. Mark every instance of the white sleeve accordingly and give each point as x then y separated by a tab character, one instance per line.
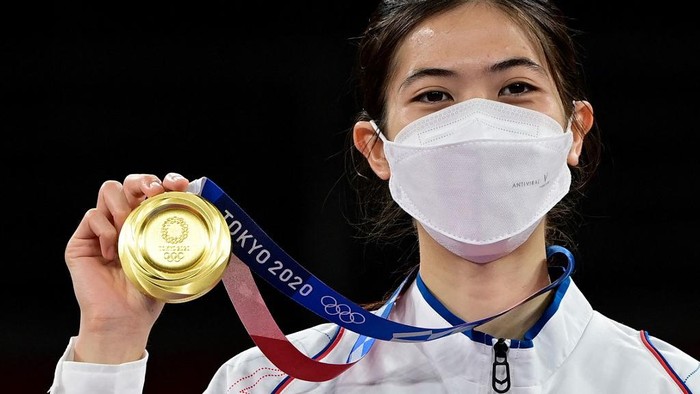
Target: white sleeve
73	377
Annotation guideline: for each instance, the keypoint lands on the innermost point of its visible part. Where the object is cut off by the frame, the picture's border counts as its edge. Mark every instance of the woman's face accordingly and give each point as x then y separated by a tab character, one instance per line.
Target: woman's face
471	51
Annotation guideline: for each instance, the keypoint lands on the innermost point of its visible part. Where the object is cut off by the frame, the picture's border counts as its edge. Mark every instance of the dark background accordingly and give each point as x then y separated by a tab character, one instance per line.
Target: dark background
257	96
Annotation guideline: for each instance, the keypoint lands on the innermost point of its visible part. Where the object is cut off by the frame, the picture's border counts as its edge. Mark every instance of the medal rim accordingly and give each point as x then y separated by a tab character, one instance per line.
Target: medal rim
175	286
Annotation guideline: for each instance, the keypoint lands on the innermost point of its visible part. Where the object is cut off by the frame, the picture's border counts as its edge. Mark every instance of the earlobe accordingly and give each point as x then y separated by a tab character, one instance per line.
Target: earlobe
581	125
372	148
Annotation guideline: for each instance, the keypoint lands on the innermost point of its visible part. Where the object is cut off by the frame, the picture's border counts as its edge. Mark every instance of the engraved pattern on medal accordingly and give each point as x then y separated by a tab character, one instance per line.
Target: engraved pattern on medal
174	232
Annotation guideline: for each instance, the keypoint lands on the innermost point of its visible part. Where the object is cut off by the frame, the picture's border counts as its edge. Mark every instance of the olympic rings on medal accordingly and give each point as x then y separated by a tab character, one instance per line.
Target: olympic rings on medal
343	311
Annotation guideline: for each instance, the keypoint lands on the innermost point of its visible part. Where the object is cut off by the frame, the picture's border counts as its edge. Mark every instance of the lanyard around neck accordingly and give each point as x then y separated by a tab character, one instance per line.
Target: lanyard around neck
253	250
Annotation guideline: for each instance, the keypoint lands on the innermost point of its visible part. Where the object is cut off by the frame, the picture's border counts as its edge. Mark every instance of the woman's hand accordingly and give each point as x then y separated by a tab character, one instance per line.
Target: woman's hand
115	317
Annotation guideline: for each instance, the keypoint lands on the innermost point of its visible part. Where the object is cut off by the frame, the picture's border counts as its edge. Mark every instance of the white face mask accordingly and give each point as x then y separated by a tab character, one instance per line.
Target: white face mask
479	175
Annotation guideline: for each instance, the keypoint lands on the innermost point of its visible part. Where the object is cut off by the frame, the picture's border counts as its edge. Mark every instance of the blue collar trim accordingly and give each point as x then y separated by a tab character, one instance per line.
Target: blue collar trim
487	339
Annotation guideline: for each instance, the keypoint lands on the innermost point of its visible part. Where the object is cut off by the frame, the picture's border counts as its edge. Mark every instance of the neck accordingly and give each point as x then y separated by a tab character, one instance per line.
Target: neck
475	291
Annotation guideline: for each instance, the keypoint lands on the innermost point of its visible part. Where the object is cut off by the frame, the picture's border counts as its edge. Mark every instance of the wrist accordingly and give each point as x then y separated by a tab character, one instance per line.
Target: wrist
104	346
107	350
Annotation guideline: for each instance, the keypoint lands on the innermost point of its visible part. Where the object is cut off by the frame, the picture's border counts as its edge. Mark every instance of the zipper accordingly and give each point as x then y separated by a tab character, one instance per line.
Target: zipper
500	376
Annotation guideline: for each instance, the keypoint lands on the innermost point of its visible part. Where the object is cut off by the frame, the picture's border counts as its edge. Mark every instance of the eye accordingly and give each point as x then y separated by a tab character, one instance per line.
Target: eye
433	96
515	89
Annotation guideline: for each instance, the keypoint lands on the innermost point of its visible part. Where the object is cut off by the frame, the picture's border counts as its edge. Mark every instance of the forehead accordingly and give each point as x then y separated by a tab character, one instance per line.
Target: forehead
471	35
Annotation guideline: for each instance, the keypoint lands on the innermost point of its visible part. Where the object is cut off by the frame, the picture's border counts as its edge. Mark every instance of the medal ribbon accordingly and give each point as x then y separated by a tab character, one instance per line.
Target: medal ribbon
253	250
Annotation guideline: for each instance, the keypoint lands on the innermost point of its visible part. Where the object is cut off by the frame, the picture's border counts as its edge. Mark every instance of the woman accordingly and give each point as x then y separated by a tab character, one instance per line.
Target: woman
475	125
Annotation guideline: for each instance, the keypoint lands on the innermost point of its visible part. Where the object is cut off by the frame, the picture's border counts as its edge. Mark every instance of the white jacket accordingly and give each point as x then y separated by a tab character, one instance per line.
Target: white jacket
571	349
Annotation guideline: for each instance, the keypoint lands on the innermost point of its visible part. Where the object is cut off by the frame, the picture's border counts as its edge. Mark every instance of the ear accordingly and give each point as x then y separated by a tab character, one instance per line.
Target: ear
372	148
581	125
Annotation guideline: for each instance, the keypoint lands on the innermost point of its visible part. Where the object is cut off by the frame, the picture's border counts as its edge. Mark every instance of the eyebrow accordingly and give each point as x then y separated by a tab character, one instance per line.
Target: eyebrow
517	62
494	68
426	72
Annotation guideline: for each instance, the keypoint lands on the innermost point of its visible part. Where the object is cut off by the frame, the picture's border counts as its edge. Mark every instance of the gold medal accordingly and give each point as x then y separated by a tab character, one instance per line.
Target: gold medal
175	246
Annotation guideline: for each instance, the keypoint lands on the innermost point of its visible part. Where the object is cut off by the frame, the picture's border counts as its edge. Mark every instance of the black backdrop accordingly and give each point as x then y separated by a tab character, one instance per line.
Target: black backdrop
257	96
